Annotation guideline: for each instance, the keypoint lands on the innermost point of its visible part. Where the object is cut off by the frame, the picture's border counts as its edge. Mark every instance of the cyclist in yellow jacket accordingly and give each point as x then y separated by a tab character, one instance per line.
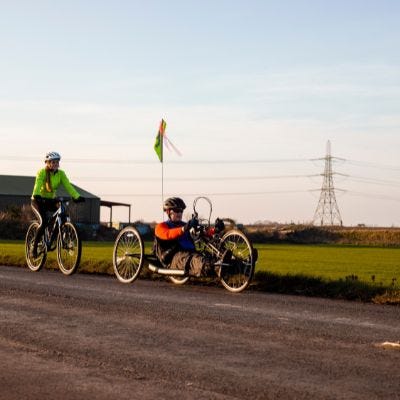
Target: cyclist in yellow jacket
43	199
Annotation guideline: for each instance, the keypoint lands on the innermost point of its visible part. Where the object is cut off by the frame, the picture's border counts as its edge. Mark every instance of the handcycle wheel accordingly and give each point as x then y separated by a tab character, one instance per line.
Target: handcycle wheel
128	255
236	276
179	280
69	248
34	264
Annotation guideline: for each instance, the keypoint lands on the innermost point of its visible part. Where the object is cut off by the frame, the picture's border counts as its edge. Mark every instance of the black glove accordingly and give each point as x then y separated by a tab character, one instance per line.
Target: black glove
193	223
80	199
38	198
219	225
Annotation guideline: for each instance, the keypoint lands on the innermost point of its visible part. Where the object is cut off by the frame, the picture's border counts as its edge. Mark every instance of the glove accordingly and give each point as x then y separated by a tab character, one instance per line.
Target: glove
193	223
80	199
219	225
38	198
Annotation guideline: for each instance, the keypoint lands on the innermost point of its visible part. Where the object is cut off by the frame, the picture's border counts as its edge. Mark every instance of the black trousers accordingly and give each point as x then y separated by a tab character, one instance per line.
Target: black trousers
42	208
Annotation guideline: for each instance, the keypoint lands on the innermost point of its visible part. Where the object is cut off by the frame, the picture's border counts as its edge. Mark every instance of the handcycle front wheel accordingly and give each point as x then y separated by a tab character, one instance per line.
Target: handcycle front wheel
236	276
34	264
69	249
128	255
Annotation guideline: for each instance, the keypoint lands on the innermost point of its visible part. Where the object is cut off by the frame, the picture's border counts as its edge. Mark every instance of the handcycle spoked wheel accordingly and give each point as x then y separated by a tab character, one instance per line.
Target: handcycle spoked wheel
128	255
34	264
237	275
69	248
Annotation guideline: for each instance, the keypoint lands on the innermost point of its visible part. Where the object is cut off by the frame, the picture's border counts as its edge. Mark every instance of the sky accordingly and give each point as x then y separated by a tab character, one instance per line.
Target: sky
251	91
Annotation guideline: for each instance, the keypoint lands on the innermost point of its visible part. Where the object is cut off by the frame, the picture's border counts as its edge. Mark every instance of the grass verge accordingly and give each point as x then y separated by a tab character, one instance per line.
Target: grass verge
366	274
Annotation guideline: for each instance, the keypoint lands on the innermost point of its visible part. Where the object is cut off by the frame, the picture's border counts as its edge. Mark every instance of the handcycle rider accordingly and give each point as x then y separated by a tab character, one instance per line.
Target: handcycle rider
174	246
43	198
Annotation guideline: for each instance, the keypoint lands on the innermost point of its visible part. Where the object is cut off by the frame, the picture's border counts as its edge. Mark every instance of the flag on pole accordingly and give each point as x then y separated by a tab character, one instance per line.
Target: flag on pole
158	145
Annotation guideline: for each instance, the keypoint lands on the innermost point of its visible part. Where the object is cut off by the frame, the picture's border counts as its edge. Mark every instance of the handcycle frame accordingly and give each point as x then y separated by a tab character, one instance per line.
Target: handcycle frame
58	227
213	241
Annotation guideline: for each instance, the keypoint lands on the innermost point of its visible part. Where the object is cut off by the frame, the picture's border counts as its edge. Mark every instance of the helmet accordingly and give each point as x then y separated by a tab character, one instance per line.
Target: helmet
174	202
52	155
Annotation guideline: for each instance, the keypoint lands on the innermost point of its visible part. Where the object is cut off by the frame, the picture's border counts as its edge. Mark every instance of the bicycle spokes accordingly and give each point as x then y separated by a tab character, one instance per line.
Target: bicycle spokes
128	255
237	274
68	249
34	263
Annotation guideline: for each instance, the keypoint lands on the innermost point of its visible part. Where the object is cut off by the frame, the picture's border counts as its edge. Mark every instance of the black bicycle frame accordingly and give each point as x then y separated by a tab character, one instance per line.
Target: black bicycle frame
54	225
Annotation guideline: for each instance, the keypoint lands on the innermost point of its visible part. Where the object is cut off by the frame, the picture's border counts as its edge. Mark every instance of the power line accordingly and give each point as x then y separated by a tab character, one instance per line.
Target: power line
237	161
353	178
155	161
350	192
375	196
191	179
372	181
373	165
203	194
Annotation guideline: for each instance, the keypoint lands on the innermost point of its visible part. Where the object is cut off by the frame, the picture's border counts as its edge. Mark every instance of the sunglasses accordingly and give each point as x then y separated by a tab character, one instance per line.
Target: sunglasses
177	210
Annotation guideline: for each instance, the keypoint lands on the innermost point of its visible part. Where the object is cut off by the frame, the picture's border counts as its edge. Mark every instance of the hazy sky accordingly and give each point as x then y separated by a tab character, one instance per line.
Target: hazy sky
251	92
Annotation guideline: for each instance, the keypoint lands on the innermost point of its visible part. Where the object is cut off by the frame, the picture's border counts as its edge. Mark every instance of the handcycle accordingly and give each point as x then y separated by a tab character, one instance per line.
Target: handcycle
229	251
59	233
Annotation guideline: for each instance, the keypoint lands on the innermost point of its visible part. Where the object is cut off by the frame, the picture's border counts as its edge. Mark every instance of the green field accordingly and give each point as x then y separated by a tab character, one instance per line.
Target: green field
367	264
307	269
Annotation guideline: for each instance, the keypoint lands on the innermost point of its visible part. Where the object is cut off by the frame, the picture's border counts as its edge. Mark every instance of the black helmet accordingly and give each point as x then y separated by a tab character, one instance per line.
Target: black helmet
174	202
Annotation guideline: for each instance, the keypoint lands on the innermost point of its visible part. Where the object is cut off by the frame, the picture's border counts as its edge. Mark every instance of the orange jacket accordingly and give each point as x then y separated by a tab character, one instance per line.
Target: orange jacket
164	232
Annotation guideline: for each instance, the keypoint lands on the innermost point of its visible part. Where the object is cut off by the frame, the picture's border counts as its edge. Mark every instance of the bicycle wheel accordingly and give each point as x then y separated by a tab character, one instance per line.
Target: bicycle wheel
237	275
128	255
179	280
69	248
34	264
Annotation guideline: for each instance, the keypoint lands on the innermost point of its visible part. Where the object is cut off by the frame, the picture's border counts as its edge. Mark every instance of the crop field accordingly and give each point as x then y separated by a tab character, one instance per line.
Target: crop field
368	264
371	267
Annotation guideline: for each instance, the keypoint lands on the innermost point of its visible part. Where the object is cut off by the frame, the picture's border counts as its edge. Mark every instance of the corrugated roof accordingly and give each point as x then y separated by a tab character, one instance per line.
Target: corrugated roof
15	185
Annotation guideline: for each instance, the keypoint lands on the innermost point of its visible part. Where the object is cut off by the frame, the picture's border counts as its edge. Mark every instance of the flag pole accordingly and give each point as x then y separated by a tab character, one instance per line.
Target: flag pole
159	149
162	187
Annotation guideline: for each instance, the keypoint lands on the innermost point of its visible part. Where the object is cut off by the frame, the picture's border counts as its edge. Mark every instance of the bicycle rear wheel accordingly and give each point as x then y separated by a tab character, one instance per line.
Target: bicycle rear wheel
34	264
128	255
236	276
69	248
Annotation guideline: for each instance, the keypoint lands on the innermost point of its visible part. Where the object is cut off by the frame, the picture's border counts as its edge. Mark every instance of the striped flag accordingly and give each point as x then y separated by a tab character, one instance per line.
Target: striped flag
158	145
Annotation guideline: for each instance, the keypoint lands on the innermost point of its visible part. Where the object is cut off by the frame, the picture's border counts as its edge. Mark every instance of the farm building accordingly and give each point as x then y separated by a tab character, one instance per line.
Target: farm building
17	190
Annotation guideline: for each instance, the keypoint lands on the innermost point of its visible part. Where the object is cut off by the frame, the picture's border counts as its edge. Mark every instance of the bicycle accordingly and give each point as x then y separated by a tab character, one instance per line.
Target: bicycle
230	252
59	233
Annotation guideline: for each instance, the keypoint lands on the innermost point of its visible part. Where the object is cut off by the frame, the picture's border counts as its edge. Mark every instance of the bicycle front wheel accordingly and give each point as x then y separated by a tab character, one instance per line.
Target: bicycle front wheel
69	248
34	264
128	255
237	275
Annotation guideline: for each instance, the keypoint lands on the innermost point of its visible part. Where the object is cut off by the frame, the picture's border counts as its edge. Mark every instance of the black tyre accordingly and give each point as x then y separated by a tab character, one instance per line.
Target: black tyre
69	248
128	255
237	275
34	264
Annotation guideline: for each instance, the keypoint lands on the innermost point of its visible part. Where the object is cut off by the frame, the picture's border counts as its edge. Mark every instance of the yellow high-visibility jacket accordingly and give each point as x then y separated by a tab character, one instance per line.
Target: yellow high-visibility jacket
56	178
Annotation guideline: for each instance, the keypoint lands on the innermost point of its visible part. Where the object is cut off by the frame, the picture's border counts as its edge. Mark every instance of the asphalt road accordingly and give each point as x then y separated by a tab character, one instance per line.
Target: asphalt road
91	337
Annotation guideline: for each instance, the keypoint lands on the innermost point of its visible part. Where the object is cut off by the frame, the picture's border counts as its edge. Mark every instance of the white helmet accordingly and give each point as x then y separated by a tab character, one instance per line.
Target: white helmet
52	155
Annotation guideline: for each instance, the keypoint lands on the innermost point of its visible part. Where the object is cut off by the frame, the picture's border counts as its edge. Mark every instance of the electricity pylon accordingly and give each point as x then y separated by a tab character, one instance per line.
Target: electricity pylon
327	212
